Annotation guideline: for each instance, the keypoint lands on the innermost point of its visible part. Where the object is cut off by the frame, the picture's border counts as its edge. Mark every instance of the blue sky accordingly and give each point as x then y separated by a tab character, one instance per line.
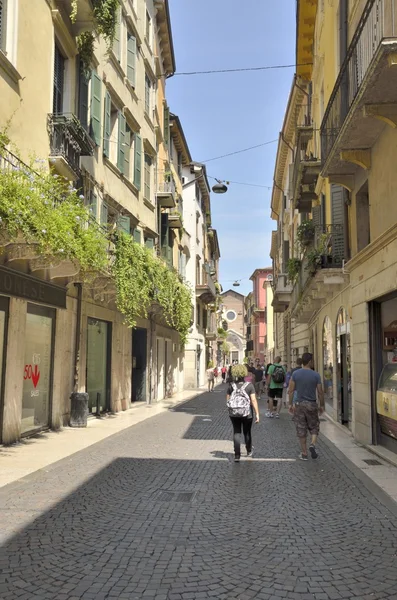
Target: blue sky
221	113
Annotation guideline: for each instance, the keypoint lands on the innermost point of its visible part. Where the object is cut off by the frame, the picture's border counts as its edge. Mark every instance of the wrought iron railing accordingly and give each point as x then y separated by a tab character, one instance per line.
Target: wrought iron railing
377	22
69	139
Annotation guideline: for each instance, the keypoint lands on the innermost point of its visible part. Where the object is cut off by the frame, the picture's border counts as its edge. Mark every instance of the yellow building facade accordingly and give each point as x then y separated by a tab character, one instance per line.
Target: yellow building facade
334	251
103	129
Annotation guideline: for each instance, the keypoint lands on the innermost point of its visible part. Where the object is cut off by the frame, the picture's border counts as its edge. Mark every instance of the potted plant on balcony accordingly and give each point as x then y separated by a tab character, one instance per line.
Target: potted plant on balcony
306	232
293	268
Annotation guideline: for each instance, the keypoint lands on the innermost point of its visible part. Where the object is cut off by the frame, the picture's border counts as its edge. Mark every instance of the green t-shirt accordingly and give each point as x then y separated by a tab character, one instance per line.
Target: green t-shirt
273	385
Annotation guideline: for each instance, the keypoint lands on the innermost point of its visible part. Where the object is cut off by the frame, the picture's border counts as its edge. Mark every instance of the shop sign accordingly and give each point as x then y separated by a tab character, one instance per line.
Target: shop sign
30	288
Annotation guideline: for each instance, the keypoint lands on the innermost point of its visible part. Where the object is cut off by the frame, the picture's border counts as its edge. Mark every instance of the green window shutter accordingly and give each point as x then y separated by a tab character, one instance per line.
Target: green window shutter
138	161
93	205
104	214
124	224
106	132
147	176
137	236
96	85
131	59
121	142
166	125
149	243
127	152
83	96
164	234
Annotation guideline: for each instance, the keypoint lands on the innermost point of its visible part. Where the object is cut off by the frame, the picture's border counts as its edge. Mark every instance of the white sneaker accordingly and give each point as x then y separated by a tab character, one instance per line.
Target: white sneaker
268	414
277	416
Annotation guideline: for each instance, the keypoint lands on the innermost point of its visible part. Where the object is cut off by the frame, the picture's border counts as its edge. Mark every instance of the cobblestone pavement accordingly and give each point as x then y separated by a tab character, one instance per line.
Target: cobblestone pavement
160	511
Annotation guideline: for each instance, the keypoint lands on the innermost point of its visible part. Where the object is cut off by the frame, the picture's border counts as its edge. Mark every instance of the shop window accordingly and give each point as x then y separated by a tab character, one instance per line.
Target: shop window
328	361
37	375
343	368
98	365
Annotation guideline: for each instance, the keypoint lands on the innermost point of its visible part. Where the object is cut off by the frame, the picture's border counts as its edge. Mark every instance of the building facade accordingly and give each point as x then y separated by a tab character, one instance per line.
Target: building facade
201	272
335	291
257	310
106	130
233	319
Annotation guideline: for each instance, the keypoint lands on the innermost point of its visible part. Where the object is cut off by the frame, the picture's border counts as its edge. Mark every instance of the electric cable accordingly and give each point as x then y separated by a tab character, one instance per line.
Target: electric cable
239	151
240	70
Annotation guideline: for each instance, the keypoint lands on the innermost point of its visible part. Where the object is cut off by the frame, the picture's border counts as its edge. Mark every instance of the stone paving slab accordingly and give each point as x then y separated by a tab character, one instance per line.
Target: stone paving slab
160	511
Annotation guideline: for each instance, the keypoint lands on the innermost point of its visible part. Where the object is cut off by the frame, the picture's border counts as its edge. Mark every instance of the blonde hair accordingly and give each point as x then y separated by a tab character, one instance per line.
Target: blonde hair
239	371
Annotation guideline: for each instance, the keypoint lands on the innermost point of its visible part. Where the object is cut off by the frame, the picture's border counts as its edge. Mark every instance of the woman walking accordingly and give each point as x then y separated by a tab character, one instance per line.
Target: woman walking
210	376
242	404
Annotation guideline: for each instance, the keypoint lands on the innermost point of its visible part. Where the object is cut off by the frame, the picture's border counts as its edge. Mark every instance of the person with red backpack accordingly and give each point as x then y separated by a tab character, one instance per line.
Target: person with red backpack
242	404
276	375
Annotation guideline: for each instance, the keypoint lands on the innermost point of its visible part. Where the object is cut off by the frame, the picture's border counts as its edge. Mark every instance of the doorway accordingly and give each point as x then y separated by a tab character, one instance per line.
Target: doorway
168	379
99	336
139	365
198	360
38	368
343	369
160	351
4	308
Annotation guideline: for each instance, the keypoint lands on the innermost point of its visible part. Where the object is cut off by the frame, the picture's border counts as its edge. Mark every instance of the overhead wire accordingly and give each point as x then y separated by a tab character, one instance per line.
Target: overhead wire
242	69
240	151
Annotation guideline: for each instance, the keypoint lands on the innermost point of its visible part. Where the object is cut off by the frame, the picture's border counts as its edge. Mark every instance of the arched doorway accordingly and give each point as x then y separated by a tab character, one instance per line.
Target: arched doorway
328	362
343	368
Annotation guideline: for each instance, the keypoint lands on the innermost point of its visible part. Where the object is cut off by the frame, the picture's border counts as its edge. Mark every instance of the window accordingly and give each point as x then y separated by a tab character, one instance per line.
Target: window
131	59
3	21
114	132
93	204
198	314
197	191
148	89
148	28
104	214
83	96
231	315
149	243
124	223
148	173
166	125
121	143
180	165
198	271
59	75
137	161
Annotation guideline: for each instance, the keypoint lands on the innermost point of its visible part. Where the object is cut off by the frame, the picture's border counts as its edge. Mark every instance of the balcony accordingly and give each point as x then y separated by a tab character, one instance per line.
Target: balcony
211	333
206	291
321	274
68	141
282	294
364	97
166	190
175	219
307	167
84	20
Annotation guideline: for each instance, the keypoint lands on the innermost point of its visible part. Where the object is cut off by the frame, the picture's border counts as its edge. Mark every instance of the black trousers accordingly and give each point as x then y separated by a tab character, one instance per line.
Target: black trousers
246	424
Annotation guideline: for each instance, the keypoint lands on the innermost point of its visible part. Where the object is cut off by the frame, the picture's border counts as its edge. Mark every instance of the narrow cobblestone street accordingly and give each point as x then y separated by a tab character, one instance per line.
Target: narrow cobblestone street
160	511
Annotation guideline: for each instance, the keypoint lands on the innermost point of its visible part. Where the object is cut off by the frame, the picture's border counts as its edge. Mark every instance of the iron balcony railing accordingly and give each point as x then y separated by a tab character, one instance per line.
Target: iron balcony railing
165	183
69	139
377	22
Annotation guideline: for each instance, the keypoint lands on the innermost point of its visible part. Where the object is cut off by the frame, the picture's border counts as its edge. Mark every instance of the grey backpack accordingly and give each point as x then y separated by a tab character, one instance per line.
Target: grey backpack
239	403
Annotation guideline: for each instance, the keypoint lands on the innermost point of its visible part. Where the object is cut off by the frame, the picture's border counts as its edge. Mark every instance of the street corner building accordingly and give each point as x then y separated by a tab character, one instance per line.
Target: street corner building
335	247
96	118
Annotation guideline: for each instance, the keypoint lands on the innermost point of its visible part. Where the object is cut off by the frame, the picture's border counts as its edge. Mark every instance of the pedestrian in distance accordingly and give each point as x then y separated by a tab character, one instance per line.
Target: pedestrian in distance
242	405
210	376
306	403
258	374
275	379
224	372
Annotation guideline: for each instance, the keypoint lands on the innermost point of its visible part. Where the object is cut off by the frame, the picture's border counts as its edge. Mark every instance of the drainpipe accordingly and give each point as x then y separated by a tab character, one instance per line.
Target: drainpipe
77	340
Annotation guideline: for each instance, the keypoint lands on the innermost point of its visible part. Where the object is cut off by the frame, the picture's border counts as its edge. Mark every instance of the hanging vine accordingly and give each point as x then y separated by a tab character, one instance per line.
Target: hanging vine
142	279
42	209
105	14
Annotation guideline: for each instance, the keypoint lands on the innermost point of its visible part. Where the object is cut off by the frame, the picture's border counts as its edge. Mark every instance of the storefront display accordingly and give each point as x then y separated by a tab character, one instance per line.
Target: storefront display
386	400
37	374
328	362
343	368
98	365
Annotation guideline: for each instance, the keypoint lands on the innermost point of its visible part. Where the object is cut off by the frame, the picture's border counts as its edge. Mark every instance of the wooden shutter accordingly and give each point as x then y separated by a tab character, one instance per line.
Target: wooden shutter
121	142
338	220
131	59
93	205
124	224
138	161
96	85
164	234
3	18
149	243
316	215
83	96
104	214
166	125
147	176
107	125
59	71
127	152
137	236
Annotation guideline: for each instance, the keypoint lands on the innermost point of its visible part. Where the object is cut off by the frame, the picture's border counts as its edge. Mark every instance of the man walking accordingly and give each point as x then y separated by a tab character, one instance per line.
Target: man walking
275	380
304	388
258	373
